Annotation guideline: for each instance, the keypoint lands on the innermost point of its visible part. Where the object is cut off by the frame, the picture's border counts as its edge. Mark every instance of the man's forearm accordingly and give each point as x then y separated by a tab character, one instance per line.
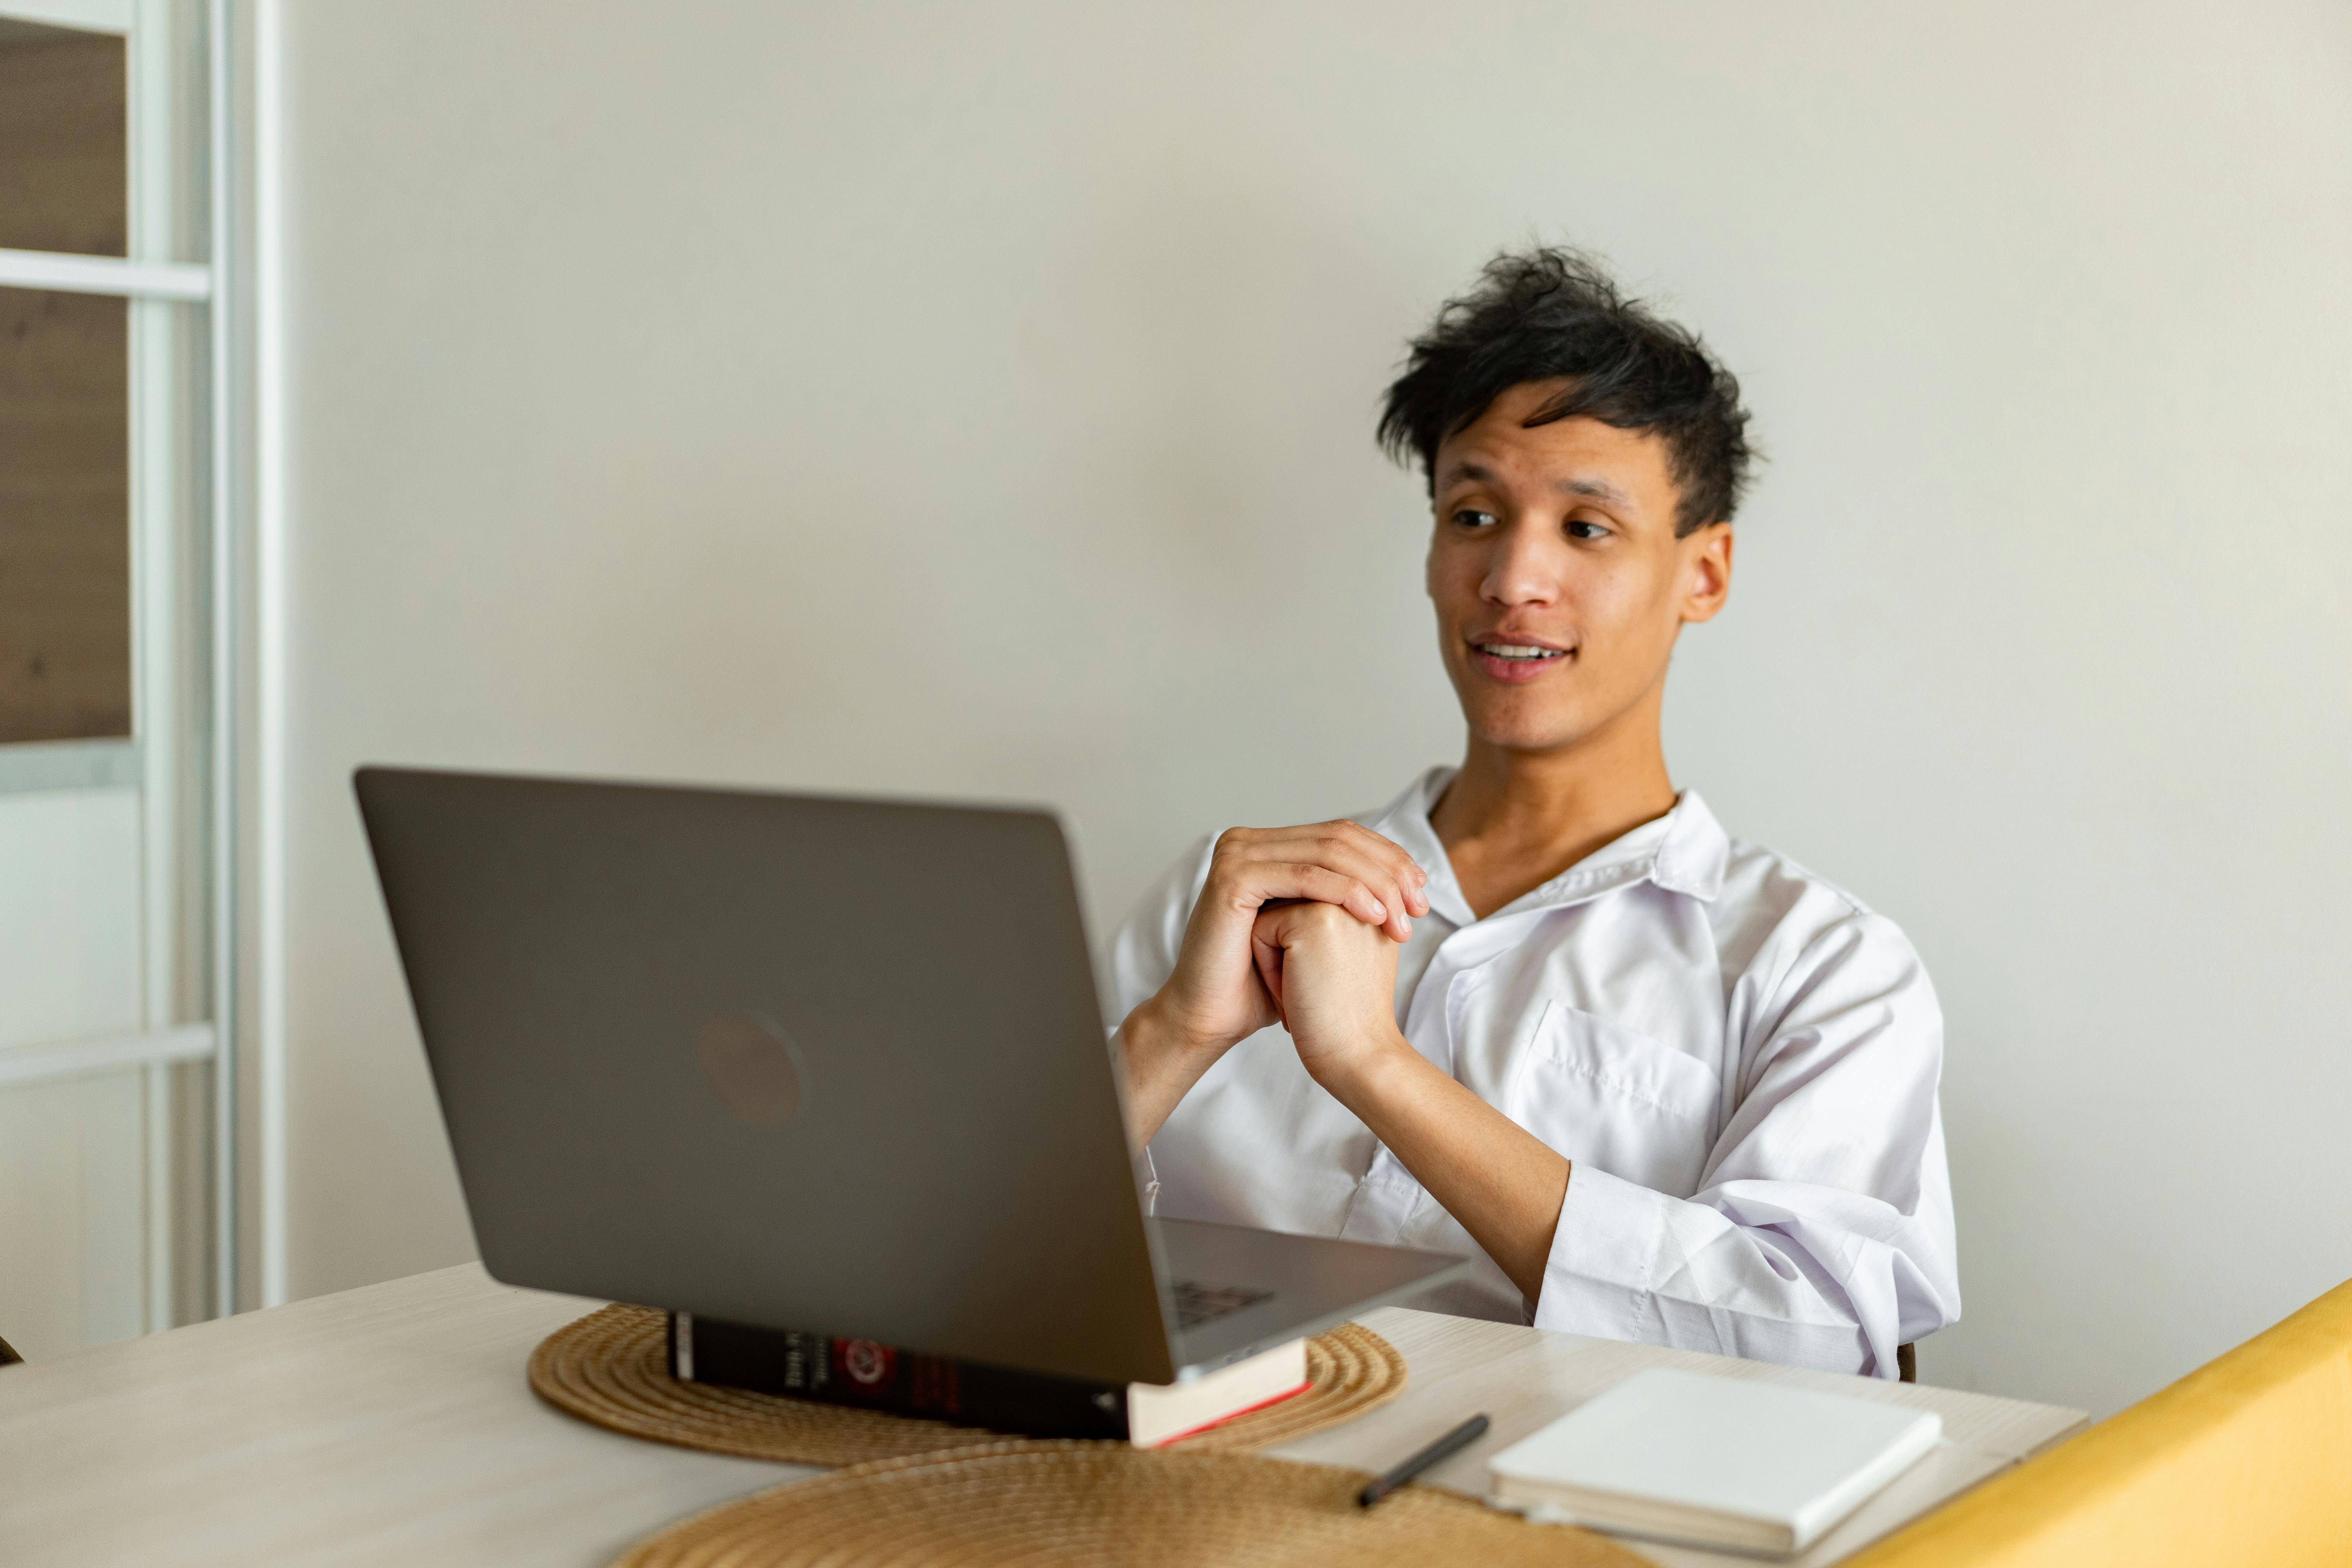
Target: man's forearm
1160	1064
1503	1184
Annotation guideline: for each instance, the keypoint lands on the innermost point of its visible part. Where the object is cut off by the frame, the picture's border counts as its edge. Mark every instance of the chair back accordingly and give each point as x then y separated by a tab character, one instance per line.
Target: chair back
2247	1459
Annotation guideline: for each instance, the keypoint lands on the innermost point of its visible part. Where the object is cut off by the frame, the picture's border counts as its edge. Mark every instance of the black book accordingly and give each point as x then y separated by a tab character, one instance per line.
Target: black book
871	1376
876	1376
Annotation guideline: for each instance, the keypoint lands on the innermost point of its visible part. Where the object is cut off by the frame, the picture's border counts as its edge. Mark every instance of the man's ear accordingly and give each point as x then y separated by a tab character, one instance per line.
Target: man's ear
1706	570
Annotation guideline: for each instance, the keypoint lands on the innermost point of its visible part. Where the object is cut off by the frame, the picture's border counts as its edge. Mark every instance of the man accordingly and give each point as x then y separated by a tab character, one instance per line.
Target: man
1663	1085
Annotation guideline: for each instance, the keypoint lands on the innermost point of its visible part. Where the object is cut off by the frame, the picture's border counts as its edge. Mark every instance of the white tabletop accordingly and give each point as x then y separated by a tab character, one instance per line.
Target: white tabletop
392	1424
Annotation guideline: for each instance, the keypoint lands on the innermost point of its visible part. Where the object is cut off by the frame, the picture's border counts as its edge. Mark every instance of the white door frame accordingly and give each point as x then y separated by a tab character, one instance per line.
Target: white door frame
158	286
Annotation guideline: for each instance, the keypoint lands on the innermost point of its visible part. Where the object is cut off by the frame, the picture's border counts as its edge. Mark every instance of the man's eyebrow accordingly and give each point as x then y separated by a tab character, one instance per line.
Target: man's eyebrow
1598	489
1463	469
1582	485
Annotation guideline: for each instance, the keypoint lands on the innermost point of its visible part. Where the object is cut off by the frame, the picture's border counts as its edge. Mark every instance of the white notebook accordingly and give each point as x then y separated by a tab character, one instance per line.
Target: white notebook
1714	1461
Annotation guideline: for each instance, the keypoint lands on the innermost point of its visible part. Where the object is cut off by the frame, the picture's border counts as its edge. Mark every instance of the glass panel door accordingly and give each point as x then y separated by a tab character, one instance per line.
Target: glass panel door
98	465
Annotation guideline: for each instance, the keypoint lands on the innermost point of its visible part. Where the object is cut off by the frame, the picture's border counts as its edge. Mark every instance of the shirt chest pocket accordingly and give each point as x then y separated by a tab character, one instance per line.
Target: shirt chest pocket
1602	1095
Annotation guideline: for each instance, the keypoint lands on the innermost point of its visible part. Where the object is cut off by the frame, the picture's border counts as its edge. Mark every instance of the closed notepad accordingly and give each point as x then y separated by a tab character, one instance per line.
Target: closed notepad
1715	1461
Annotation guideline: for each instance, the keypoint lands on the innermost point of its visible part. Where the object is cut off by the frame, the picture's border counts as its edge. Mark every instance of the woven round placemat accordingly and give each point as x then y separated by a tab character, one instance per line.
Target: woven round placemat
1106	1503
611	1367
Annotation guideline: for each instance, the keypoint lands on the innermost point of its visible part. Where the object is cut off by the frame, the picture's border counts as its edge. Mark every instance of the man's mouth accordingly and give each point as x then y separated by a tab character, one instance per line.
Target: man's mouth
1515	662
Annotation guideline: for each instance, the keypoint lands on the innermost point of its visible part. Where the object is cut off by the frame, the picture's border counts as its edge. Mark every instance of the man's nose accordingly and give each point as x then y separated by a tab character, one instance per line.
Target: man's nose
1523	568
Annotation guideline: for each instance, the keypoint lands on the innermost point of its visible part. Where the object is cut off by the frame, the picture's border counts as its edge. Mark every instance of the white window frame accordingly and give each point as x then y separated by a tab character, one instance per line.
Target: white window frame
174	756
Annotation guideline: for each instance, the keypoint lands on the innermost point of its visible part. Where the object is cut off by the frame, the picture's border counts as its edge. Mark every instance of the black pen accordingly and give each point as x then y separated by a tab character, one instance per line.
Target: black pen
1445	1447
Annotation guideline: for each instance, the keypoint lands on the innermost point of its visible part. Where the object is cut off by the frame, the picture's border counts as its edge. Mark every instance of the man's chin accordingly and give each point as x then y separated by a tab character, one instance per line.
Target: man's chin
1521	719
1526	731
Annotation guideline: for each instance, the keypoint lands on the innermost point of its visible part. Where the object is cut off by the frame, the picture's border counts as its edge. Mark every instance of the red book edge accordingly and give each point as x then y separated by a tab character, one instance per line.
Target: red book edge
1234	1415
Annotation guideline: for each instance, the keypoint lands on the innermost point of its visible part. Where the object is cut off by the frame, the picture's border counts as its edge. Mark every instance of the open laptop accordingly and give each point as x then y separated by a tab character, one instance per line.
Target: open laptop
811	1063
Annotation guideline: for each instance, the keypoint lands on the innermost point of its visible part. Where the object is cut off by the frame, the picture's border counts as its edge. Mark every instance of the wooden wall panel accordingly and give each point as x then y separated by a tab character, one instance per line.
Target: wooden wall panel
64	174
64	438
65	516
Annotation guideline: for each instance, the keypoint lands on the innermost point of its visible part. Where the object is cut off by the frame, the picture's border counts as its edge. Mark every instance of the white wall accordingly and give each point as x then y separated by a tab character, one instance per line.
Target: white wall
978	400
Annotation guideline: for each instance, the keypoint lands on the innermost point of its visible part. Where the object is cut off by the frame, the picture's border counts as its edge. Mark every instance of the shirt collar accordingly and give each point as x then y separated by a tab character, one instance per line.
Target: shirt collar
1685	851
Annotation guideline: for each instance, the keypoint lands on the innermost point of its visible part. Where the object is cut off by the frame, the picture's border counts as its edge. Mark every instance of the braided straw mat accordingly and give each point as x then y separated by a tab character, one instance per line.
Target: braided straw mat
611	1367
1106	1503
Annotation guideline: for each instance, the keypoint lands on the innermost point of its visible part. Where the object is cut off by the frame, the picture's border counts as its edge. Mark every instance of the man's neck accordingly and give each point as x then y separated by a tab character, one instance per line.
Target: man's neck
1512	820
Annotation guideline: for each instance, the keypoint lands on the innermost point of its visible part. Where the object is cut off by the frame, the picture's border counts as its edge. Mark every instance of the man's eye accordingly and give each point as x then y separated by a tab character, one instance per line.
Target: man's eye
1580	529
1470	517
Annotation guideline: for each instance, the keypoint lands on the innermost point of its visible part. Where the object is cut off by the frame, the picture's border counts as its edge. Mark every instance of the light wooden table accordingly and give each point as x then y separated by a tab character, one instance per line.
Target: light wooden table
392	1424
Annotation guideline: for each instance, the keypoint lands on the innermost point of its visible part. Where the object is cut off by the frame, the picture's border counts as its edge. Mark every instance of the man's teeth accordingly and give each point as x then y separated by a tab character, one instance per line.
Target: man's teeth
1517	650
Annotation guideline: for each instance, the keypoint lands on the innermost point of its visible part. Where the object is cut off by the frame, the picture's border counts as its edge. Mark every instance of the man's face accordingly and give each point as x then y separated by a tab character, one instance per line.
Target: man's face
1558	583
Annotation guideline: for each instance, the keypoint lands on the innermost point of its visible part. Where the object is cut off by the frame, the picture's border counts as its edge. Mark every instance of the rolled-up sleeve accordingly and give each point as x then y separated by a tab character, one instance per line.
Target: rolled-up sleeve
1820	1234
1140	957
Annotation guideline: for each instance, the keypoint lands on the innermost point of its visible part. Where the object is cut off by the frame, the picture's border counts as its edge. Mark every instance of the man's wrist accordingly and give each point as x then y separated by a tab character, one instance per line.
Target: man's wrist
1163	1031
1370	1071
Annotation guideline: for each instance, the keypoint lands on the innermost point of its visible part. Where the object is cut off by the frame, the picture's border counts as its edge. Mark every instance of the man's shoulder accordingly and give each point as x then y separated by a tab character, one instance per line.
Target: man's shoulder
1752	871
1769	901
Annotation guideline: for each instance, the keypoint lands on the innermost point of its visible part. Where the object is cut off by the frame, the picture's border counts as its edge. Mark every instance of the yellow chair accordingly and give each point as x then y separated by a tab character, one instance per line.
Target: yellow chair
2247	1460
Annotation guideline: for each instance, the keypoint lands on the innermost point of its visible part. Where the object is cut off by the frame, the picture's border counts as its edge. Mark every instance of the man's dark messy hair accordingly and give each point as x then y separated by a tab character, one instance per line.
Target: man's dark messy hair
1553	312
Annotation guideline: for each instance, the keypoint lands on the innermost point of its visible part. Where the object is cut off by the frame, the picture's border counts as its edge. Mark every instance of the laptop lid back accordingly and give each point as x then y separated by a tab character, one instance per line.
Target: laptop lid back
793	1061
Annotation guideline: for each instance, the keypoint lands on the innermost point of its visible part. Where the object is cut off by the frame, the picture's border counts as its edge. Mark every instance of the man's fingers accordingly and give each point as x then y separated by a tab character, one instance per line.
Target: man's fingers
1268	959
1249	884
1396	893
1272	841
1328	873
1387	854
1351	862
1378	862
1409	873
1320	883
1377	882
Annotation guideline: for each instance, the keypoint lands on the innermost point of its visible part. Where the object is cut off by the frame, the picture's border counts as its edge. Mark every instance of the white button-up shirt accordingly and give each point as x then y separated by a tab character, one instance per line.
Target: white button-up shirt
1738	1060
